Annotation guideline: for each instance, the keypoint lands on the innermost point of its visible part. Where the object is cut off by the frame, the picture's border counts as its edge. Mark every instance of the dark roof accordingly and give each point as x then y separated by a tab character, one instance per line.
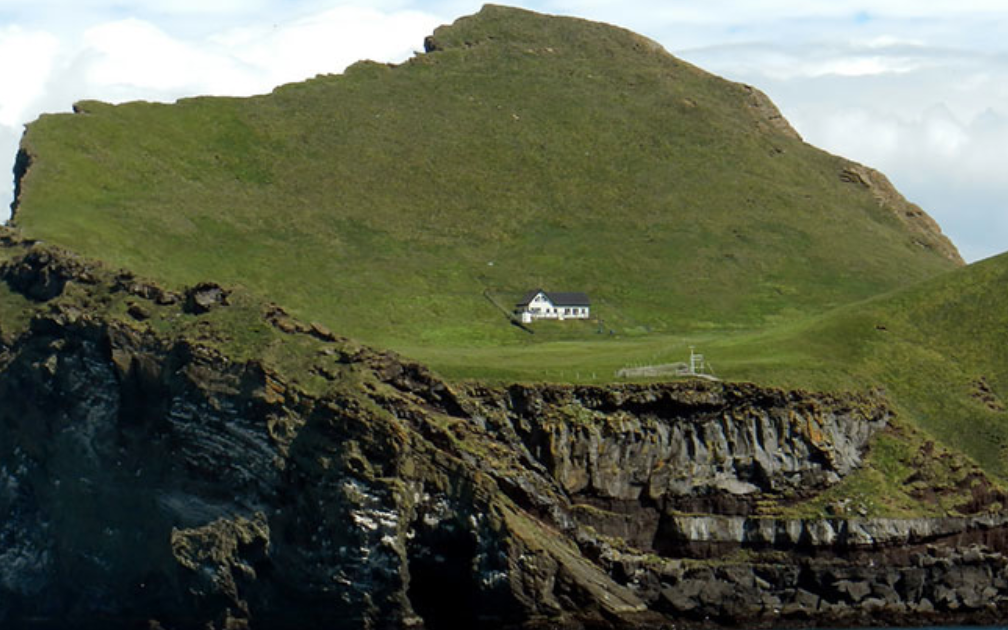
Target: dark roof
558	298
527	298
569	299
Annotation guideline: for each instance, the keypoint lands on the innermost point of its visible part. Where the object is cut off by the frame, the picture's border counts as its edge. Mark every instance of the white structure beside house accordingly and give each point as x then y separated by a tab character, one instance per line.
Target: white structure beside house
539	304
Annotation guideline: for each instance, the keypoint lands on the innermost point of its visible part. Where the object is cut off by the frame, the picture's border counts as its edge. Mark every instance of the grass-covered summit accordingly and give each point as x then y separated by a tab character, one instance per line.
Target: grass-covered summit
396	203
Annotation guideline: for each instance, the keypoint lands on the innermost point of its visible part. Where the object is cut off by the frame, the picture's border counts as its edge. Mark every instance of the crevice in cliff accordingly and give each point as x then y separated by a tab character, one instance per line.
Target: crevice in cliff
143	396
22	163
441	561
635	522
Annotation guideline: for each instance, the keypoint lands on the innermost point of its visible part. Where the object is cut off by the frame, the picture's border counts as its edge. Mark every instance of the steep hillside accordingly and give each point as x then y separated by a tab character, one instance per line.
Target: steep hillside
520	150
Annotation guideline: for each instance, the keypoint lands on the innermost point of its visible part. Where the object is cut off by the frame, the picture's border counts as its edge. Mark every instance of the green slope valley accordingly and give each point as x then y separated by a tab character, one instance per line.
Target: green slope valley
258	370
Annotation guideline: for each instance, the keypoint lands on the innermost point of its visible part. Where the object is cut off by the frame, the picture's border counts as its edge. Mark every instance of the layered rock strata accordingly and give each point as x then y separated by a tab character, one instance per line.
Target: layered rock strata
150	477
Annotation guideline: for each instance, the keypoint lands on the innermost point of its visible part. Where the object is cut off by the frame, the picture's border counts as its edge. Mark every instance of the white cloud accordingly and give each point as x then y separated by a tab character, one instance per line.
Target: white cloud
136	56
932	117
949	163
720	11
887	41
29	57
52	8
327	42
855	65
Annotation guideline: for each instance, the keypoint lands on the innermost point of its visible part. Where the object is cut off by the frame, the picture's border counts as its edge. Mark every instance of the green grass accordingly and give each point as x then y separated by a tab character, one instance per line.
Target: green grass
529	151
933	348
15	312
929	347
526	151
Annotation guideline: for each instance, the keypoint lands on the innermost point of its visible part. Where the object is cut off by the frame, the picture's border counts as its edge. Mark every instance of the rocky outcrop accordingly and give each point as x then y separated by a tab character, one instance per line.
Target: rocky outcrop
173	484
205	296
679	441
42	274
922	227
929	586
698	535
22	163
154	473
770	115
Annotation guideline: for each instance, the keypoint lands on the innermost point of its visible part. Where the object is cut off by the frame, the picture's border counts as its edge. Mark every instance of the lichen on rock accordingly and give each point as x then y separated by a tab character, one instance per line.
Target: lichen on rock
146	473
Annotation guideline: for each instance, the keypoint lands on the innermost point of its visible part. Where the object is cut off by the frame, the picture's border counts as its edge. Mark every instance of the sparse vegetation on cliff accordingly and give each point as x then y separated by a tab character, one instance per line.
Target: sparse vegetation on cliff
248	467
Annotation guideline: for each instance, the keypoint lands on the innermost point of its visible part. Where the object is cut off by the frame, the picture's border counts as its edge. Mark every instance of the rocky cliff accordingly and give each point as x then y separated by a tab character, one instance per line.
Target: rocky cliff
196	458
925	231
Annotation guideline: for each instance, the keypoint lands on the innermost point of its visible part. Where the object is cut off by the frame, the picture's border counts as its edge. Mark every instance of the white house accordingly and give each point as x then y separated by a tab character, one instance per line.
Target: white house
539	304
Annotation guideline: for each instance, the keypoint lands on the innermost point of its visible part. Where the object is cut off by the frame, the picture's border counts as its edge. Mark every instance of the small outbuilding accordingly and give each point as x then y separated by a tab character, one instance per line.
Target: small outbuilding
539	304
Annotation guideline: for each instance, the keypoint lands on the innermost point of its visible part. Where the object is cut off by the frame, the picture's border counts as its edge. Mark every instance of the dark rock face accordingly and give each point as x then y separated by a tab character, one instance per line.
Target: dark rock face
22	163
667	443
151	480
40	275
174	485
203	297
932	584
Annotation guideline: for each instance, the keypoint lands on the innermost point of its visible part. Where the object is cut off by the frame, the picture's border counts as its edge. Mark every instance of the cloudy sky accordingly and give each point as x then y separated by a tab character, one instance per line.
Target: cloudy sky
916	89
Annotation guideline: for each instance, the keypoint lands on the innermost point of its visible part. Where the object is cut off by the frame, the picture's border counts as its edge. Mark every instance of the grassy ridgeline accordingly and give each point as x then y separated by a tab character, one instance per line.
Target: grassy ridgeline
523	151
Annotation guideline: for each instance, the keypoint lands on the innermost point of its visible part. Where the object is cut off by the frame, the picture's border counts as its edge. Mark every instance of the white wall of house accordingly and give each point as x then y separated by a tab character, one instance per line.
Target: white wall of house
542	308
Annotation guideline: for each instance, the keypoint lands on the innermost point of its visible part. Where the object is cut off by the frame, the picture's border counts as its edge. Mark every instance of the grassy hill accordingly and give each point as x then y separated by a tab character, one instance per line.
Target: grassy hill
396	204
390	202
939	349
